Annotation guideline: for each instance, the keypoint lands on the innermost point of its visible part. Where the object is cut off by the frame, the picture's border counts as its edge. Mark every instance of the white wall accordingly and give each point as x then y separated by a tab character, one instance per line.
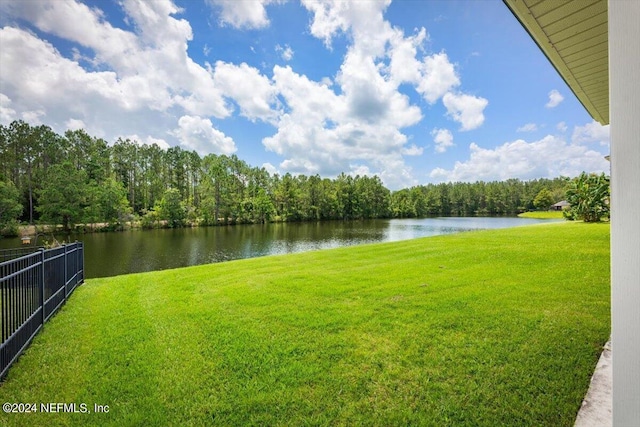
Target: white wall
624	104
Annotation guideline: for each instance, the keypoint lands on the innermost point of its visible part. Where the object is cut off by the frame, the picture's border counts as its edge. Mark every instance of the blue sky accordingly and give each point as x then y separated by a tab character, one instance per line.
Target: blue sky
413	91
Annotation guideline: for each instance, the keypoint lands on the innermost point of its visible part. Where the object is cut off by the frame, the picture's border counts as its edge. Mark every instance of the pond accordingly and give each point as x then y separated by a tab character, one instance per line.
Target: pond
110	254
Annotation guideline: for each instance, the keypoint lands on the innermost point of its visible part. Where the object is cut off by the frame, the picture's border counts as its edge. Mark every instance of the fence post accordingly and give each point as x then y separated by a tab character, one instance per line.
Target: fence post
65	271
77	263
41	278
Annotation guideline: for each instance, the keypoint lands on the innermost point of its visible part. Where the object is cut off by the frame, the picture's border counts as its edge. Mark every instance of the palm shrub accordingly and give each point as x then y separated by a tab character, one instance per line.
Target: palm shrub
588	195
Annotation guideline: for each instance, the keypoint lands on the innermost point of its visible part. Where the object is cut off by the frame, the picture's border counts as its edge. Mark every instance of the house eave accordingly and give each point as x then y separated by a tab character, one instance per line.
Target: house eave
574	37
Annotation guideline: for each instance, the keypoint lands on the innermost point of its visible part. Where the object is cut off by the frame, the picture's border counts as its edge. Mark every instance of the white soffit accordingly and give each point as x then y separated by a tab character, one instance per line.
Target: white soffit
574	36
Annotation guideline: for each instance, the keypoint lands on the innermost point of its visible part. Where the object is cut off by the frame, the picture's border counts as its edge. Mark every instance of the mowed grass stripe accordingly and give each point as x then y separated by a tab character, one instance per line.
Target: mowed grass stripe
500	327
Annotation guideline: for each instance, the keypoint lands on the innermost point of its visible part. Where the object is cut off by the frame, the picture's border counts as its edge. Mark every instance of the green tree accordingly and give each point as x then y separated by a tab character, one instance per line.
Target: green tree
126	165
172	209
10	208
348	200
63	196
402	204
588	195
216	189
287	195
89	154
24	143
114	204
258	203
543	200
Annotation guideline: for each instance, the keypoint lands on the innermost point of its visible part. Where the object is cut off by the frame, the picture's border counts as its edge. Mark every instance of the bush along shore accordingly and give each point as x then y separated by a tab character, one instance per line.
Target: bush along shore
500	327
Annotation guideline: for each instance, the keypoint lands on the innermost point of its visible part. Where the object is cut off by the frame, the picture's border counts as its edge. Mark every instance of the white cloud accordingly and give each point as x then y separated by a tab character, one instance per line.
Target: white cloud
300	166
370	96
396	174
129	82
146	69
555	98
439	77
33	117
7	114
465	109
404	67
327	19
412	150
251	90
443	139
74	124
362	170
326	81
529	127
149	140
359	125
77	22
548	157
322	132
150	68
310	102
364	20
135	79
591	132
250	14
285	52
196	133
562	127
42	77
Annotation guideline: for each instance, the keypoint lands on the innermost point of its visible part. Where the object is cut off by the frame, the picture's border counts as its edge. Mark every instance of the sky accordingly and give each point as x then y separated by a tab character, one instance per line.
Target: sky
415	92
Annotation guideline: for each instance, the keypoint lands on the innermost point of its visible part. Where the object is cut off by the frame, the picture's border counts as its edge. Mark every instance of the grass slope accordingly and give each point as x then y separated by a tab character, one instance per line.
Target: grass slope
542	215
501	327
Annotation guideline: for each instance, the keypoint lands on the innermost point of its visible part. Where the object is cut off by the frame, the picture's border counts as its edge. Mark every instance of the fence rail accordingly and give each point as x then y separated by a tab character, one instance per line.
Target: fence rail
7	254
32	288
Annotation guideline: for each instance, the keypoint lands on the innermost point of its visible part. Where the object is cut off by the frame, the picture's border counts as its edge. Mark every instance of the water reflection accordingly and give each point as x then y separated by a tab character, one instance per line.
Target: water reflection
109	254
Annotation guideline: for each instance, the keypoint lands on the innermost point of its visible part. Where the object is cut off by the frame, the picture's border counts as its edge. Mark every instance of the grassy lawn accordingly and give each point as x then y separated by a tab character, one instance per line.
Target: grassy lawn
542	215
488	328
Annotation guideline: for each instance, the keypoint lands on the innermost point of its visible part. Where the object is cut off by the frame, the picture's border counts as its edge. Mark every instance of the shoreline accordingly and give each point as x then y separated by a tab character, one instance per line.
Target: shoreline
31	230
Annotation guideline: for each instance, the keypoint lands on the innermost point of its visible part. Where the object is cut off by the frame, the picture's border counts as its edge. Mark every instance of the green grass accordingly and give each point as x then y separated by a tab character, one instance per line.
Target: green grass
488	328
542	215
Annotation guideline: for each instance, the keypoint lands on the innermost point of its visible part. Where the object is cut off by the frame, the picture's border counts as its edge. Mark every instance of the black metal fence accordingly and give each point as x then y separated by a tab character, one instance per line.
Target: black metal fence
32	288
7	254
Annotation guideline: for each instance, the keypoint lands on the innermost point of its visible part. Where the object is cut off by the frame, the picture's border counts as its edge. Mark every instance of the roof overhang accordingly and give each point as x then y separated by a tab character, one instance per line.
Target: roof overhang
574	37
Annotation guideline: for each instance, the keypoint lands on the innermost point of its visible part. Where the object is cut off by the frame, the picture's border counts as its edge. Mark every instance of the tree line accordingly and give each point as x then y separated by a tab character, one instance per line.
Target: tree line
76	178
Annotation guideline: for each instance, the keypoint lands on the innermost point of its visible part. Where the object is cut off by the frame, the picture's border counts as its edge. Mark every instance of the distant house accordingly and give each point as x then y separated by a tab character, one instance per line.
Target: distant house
560	206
